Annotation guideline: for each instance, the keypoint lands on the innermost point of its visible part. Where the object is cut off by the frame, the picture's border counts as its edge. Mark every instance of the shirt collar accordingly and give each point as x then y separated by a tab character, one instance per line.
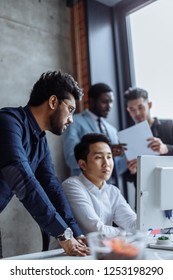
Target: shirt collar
88	184
33	124
95	117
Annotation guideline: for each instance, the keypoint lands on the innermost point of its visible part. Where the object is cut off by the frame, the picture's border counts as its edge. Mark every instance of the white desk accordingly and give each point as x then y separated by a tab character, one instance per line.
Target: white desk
157	254
149	254
47	255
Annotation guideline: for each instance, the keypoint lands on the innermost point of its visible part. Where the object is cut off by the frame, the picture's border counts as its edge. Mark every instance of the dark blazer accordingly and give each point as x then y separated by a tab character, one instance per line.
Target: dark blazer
162	129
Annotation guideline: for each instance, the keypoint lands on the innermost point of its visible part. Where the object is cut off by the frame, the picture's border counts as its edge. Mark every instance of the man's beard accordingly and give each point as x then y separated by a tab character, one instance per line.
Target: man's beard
55	127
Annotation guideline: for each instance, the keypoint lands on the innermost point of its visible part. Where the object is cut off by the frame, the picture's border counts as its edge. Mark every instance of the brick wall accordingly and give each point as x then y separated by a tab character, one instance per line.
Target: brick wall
80	52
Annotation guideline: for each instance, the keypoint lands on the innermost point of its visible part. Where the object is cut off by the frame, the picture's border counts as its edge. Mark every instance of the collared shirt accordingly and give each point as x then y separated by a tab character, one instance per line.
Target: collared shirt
95	209
95	119
26	170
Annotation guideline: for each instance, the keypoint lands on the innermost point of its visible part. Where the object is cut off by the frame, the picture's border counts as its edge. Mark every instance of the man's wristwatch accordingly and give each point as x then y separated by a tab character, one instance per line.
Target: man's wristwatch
67	235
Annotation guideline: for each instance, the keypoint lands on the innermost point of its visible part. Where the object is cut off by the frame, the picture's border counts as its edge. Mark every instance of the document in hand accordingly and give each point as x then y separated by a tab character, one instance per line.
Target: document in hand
136	139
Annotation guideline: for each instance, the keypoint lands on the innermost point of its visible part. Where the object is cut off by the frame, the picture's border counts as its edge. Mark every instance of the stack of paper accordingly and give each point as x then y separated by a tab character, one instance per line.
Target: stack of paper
136	139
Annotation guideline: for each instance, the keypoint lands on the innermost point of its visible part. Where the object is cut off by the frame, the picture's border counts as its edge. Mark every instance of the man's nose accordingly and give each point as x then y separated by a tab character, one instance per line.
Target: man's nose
137	112
70	119
105	161
109	105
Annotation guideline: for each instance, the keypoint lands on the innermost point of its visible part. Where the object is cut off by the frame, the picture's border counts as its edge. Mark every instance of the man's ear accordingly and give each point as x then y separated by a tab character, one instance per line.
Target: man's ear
127	108
150	104
53	101
82	164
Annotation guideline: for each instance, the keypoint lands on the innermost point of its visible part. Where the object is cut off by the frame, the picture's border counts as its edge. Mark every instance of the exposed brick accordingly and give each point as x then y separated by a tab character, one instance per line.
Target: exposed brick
79	50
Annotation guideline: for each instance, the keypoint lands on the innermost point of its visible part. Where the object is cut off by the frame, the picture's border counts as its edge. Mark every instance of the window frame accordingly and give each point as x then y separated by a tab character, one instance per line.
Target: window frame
124	54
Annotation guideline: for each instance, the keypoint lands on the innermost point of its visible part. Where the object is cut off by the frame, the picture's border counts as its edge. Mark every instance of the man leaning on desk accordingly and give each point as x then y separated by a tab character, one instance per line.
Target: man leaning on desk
26	168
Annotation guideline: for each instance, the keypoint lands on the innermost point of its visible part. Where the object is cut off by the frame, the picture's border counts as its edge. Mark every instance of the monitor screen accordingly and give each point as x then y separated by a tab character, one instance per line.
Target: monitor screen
154	192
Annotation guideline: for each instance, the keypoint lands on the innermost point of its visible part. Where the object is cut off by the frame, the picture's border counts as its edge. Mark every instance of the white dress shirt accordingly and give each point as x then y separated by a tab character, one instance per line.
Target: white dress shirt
95	209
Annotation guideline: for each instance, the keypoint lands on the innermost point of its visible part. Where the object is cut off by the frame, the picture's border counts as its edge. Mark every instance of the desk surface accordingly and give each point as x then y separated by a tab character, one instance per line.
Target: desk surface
149	254
47	255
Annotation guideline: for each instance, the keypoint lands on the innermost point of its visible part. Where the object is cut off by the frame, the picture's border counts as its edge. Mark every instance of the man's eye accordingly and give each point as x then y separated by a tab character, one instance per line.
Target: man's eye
109	157
71	110
98	157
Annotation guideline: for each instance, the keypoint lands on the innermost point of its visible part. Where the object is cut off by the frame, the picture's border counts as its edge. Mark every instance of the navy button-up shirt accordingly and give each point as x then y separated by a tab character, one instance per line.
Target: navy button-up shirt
26	170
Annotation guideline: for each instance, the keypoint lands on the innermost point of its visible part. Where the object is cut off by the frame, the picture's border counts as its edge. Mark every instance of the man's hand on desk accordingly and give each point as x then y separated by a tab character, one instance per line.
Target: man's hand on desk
82	239
73	247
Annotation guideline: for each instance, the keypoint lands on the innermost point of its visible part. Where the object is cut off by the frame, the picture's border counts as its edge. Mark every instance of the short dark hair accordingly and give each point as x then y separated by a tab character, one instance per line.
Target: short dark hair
96	90
135	93
54	83
81	150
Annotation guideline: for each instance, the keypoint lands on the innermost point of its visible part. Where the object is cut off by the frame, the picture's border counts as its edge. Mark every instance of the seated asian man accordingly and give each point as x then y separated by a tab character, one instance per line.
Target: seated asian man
95	203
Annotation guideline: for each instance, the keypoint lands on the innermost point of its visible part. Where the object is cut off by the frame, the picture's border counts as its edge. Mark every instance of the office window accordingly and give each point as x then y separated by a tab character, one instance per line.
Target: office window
152	60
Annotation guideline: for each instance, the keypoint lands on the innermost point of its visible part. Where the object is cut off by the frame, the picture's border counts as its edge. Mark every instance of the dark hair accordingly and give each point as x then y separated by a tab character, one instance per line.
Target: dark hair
81	150
96	90
54	83
135	93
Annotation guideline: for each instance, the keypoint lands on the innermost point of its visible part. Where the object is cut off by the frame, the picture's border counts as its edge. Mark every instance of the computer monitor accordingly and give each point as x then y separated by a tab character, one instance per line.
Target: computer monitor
154	191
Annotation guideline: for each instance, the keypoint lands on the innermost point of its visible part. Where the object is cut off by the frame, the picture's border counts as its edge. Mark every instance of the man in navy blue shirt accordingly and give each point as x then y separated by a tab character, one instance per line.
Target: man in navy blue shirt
26	168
